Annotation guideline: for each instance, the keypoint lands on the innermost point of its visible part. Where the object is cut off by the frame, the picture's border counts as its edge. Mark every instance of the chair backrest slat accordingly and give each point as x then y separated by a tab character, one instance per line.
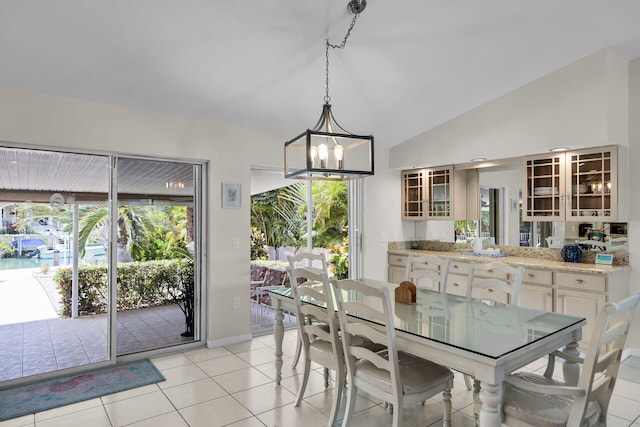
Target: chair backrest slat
428	271
508	282
347	293
602	361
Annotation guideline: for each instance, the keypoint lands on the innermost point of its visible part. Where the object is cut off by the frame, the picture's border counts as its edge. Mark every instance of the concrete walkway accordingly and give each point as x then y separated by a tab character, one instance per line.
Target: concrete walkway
23	298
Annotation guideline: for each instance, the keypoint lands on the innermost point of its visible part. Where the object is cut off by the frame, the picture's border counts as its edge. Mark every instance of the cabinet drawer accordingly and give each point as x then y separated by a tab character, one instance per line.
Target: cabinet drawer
459	267
457	284
584	282
399	260
538	277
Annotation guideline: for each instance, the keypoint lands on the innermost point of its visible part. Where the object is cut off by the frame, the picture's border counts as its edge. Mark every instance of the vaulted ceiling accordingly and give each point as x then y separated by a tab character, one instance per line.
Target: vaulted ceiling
409	65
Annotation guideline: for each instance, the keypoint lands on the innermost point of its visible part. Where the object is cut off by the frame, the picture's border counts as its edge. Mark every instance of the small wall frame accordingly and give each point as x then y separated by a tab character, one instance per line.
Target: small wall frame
231	193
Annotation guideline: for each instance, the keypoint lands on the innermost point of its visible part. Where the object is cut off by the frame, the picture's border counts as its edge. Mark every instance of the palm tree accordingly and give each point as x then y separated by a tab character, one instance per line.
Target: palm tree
134	227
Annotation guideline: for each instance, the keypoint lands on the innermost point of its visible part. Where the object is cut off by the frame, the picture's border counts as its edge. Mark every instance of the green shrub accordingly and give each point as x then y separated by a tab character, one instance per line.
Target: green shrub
139	285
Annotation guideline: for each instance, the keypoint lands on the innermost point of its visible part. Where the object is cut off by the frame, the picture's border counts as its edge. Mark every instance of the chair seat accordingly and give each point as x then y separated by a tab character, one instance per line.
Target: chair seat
418	375
551	410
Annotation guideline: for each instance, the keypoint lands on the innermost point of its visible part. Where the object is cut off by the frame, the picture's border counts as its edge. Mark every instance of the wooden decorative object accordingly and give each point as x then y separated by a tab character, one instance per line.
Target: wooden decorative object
406	293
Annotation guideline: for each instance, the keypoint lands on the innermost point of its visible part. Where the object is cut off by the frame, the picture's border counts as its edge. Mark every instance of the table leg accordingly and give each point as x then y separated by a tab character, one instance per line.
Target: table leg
571	370
491	397
278	333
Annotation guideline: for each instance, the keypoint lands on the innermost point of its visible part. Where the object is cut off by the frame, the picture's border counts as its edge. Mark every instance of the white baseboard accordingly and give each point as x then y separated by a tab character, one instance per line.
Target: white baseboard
228	341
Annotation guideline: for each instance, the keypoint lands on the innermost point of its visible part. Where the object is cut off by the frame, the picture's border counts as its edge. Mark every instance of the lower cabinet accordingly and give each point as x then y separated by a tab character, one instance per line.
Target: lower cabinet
396	266
537	289
580	294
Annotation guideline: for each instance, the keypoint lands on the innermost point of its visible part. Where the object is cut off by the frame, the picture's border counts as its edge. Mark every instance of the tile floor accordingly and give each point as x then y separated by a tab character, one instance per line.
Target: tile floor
234	386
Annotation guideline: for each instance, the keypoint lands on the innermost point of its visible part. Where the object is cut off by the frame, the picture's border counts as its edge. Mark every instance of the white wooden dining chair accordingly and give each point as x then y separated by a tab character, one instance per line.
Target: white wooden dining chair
497	282
392	376
307	268
428	271
535	400
319	333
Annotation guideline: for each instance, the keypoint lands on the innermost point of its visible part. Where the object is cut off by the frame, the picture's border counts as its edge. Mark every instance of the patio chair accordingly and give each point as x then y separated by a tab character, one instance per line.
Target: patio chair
535	400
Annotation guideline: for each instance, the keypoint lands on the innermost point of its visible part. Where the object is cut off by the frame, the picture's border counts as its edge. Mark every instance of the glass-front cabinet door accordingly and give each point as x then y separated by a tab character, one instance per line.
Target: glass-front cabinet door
427	193
593	181
544	188
439	197
413	194
571	186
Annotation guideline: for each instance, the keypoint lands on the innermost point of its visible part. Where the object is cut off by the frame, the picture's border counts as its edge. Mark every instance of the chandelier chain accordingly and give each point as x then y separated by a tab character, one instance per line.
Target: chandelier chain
328	45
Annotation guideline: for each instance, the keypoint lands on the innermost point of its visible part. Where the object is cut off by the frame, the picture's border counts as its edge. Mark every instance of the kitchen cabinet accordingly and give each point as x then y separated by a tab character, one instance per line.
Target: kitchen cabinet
537	289
396	266
573	185
427	193
574	289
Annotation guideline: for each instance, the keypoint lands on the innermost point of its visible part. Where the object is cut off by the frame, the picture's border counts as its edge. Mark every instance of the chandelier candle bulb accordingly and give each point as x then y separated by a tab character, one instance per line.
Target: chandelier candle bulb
338	152
322	154
313	153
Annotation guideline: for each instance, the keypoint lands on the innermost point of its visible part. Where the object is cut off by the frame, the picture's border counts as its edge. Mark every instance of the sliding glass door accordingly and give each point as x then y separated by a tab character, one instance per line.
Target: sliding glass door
100	256
51	311
155	251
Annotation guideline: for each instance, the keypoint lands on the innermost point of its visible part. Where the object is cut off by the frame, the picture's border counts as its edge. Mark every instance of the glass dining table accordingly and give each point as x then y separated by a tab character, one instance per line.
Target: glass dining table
481	338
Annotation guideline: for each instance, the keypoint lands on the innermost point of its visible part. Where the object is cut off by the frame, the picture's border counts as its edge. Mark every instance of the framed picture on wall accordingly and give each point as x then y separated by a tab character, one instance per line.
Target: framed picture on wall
230	195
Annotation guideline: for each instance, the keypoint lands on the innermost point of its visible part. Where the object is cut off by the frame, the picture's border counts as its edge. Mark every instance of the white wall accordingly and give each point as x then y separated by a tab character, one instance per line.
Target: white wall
38	119
382	211
634	200
581	105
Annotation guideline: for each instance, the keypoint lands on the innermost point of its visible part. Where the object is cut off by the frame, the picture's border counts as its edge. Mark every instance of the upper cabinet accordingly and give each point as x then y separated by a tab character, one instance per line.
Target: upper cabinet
427	193
571	186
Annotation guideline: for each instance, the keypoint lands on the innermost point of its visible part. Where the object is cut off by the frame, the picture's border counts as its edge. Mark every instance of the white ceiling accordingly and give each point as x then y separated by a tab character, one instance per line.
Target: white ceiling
408	66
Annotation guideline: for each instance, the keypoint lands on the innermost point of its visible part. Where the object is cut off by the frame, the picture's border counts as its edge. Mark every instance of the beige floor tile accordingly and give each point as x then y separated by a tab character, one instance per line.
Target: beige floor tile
324	401
613	421
242	379
214	413
94	417
264	398
222	365
181	375
627	389
194	392
172	419
138	408
110	398
269	368
314	386
26	421
171	361
458	419
624	408
68	409
249	422
248	345
304	415
375	417
202	354
258	356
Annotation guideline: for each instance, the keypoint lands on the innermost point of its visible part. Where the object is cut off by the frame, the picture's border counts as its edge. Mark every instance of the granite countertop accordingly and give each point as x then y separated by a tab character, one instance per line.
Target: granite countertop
525	261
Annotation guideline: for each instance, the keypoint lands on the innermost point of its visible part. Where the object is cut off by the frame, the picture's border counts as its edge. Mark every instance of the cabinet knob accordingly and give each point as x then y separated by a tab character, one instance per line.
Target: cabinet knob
489	290
489	270
531	275
455	284
454	266
580	281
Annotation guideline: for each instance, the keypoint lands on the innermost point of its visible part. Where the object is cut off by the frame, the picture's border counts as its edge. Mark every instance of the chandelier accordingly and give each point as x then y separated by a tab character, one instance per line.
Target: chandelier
328	151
